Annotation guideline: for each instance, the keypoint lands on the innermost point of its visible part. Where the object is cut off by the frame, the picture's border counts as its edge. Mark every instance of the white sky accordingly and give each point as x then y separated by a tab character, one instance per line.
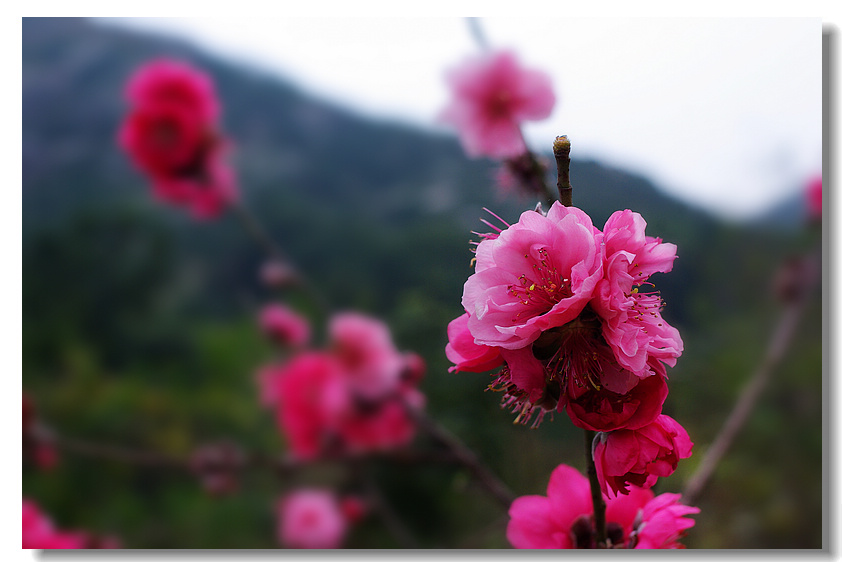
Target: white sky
725	113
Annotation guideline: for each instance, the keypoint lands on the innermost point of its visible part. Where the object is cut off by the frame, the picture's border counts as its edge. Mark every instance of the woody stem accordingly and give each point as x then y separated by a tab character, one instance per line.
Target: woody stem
596	492
561	151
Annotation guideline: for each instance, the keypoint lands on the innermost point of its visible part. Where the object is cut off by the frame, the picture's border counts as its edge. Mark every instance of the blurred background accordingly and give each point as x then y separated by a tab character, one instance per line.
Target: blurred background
139	323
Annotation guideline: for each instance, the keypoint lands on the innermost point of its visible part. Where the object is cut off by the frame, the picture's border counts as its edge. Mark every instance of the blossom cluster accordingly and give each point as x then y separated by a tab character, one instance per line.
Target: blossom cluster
171	134
561	306
564	517
350	398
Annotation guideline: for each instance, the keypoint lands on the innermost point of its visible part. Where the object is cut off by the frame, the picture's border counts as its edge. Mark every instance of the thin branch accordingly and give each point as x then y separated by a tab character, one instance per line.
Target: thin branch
778	345
283	464
464	455
388	515
477	33
258	233
596	491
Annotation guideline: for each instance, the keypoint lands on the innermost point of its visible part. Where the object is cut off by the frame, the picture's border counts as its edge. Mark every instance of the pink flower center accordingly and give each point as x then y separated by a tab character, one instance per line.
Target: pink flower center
543	288
500	104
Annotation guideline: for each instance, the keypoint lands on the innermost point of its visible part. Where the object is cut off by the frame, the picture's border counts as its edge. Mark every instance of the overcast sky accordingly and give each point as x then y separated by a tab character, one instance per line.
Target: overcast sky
725	113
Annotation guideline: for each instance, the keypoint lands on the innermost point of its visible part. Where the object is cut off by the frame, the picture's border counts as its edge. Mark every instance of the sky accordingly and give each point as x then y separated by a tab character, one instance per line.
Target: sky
722	112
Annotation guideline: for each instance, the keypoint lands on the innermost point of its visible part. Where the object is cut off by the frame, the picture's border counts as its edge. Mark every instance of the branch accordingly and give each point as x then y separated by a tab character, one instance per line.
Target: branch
596	492
464	456
778	345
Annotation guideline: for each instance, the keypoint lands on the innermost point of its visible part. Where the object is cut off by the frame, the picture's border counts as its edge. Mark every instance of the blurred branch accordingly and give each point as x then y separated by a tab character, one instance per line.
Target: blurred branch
261	237
390	518
797	293
119	454
477	33
283	464
464	456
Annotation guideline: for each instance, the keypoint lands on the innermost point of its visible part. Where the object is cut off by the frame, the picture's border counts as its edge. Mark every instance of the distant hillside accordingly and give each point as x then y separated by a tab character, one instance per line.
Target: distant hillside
369	194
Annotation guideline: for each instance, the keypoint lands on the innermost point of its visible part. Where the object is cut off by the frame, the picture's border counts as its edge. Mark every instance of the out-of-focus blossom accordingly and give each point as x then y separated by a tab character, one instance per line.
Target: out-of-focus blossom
365	350
171	134
564	517
309	397
414	369
352	397
640	456
311	518
353	508
277	274
814	198
521	175
284	326
492	95
39	532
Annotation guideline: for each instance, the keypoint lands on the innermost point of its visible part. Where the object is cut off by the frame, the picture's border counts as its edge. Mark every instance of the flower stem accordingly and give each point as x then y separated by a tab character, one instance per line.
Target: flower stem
596	491
561	151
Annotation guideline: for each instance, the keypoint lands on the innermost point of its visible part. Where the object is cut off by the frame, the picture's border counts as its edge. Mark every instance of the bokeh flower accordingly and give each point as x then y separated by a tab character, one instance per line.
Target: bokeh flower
284	326
351	398
39	532
311	518
171	134
492	95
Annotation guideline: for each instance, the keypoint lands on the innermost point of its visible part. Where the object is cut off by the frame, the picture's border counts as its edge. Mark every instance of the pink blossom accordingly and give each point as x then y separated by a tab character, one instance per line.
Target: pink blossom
814	198
537	274
39	532
171	135
557	301
492	96
414	369
618	399
564	518
467	355
172	81
309	396
351	398
353	508
364	348
206	190
311	518
640	456
632	325
378	426
284	326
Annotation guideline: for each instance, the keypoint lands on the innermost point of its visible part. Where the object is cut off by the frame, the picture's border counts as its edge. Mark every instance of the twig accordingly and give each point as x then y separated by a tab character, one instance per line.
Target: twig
596	491
464	455
477	33
283	464
778	345
387	513
274	251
